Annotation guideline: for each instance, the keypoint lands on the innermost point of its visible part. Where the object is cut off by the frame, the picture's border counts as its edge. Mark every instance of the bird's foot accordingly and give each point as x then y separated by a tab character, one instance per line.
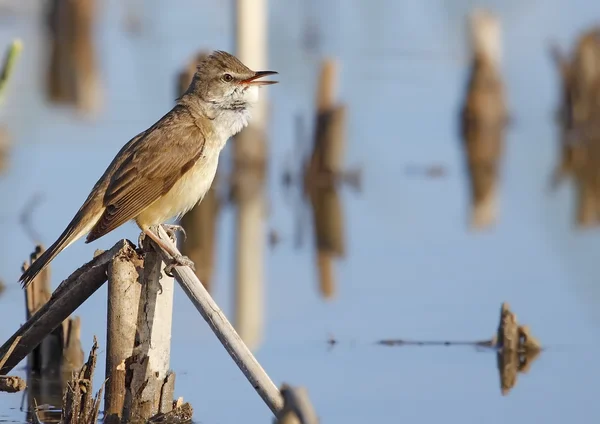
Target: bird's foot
172	229
141	240
179	260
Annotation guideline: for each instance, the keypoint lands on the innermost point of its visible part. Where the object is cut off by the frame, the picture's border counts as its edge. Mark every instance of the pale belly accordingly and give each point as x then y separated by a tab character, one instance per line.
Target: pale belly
184	195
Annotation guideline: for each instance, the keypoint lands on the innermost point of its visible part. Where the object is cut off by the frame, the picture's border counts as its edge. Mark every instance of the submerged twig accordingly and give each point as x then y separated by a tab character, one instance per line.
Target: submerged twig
403	342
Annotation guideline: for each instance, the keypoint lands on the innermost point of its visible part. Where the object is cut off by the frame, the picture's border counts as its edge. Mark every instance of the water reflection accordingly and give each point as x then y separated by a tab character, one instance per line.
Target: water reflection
324	173
484	117
578	117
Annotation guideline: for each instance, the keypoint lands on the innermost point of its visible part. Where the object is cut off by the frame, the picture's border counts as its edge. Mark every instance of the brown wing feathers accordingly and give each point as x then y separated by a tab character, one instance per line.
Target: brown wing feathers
147	174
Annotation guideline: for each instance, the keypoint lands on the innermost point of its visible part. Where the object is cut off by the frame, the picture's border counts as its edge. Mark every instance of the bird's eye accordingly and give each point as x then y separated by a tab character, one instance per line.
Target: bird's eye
227	78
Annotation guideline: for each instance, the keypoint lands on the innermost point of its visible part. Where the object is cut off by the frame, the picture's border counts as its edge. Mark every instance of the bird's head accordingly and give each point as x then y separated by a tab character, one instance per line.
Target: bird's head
226	83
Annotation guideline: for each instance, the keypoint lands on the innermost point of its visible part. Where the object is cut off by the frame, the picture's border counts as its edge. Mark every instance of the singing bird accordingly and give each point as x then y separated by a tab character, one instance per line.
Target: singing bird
165	170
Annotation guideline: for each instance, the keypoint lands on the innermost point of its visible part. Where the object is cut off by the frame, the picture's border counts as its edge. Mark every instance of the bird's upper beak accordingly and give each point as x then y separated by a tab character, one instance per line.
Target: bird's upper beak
254	80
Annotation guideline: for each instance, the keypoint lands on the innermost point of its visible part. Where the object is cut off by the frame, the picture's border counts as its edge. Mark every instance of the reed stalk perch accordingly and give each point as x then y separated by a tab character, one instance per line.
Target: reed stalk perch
223	329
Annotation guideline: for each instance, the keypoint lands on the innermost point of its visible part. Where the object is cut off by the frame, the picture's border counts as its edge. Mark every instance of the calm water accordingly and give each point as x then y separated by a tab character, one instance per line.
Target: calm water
412	269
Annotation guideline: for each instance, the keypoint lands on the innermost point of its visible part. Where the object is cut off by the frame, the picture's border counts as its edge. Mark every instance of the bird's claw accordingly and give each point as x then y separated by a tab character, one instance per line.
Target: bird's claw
172	229
179	260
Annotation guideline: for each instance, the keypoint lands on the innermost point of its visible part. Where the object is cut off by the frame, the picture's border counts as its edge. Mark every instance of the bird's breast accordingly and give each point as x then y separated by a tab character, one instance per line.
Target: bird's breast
185	193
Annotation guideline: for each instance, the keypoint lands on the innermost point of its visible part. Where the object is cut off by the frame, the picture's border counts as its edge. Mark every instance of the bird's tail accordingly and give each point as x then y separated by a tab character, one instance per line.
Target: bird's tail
76	228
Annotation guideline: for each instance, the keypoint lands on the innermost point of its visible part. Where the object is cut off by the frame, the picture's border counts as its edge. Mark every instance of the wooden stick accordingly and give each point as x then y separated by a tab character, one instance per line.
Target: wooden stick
224	331
297	407
123	298
151	357
4	358
67	297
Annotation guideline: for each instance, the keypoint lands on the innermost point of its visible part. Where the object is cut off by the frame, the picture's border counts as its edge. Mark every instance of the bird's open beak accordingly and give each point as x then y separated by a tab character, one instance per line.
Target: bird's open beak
253	80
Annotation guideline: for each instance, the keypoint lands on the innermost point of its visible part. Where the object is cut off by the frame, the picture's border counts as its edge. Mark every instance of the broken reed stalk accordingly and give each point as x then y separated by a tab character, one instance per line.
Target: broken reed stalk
517	348
181	413
12	55
67	297
248	184
123	294
139	339
224	331
80	406
484	117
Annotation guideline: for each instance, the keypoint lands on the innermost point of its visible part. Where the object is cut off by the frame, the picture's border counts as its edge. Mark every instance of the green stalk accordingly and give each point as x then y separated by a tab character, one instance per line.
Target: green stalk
10	59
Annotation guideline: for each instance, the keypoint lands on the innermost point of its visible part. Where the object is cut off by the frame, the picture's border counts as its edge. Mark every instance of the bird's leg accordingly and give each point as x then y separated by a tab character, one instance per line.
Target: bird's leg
141	239
178	258
172	229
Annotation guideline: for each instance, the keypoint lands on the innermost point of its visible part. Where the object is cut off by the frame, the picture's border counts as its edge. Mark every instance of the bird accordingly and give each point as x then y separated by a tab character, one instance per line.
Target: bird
164	171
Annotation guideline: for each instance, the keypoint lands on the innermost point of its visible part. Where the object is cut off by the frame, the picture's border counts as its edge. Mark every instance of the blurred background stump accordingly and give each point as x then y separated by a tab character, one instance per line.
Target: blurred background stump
578	116
51	363
73	77
484	117
323	172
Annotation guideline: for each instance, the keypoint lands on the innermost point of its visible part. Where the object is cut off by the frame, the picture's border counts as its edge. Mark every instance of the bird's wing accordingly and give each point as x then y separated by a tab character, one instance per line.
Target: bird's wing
154	164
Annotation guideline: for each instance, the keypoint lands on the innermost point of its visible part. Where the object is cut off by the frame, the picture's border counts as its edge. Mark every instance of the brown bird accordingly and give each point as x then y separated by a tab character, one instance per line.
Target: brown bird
164	171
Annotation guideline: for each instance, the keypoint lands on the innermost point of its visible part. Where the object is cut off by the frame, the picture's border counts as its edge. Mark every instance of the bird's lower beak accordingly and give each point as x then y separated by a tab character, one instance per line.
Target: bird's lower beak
254	80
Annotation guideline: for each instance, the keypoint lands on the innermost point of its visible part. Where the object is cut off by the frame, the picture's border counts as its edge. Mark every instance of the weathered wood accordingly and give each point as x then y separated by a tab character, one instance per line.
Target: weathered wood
123	294
139	337
483	118
11	384
115	400
297	408
200	223
224	331
80	406
67	297
181	413
149	364
248	183
9	351
167	394
517	349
